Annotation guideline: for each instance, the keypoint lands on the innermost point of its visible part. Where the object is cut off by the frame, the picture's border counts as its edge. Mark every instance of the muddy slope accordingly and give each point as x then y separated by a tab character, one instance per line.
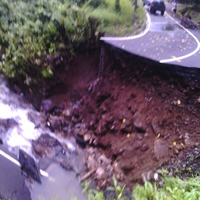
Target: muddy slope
137	113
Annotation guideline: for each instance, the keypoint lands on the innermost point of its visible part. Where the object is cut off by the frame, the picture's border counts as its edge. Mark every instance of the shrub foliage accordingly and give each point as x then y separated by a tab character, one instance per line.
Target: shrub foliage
31	30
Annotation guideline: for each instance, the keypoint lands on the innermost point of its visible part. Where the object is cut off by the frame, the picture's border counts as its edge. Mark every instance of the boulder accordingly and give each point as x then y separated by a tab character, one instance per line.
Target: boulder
28	166
140	126
47	105
48	146
160	148
5	124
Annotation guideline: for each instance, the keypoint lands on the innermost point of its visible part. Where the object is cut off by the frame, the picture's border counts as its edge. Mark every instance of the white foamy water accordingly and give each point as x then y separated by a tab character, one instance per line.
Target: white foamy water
60	183
15	107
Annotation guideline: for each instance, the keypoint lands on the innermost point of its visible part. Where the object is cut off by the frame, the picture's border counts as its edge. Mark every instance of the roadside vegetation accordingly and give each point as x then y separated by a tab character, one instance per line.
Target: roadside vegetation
33	32
189	8
168	188
127	21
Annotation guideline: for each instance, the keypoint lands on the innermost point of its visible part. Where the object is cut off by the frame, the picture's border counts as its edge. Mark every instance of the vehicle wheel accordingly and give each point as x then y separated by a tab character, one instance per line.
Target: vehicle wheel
151	10
162	13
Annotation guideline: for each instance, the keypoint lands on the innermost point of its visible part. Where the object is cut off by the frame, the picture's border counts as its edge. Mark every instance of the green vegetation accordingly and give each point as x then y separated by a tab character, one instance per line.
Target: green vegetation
191	8
117	23
169	188
29	31
193	11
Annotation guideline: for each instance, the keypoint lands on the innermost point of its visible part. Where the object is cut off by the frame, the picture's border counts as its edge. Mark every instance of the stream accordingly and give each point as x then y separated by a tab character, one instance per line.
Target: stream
24	125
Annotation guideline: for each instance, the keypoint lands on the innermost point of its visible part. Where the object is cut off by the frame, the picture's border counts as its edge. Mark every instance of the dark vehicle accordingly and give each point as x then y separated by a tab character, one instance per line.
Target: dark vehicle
157	5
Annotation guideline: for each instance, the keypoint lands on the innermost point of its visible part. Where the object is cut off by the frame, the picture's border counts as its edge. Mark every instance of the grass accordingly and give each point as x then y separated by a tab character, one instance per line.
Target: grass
193	12
124	22
169	188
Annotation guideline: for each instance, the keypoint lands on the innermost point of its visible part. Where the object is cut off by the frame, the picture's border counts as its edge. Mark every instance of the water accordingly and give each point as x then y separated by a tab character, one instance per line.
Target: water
60	183
63	181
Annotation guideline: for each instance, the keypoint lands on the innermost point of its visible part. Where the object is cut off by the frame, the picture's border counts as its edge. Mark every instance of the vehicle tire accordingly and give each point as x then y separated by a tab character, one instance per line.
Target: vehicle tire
162	13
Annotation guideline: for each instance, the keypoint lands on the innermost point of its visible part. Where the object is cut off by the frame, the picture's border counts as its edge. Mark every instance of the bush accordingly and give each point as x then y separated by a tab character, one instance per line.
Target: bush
29	31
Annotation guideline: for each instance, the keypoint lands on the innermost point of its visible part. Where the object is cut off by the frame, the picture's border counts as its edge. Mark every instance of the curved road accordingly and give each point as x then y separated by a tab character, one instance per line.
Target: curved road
165	40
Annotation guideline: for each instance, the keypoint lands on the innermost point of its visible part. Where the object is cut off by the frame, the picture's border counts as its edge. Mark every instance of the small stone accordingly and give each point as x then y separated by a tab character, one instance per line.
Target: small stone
91	164
87	137
139	137
101	128
104	160
144	147
46	105
66	112
139	126
160	148
99	172
179	147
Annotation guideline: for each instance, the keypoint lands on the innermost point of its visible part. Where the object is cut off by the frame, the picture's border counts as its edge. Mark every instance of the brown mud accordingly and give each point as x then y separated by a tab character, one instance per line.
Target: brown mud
132	115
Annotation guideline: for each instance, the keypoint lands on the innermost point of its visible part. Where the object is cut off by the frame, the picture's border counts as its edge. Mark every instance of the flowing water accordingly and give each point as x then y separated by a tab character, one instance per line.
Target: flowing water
60	184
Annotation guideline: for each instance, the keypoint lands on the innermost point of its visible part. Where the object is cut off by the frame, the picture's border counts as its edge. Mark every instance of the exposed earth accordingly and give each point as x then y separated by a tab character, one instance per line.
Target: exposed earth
131	115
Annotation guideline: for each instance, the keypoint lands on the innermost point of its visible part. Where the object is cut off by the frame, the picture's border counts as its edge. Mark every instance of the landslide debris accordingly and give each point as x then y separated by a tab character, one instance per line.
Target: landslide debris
133	118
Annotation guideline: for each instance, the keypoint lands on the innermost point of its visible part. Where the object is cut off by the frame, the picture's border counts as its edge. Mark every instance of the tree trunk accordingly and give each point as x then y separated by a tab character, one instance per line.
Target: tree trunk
135	4
117	5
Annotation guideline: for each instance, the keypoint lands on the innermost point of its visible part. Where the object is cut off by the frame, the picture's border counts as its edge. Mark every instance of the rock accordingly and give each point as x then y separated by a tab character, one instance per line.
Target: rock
55	123
140	136
80	141
101	128
87	137
99	172
197	129
67	112
28	166
47	105
104	160
5	124
160	148
179	147
76	113
80	132
109	194
11	122
140	127
144	147
37	119
126	127
91	163
155	126
149	176
48	146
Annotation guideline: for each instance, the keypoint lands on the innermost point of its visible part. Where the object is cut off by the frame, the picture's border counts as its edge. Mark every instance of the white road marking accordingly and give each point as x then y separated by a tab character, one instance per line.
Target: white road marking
187	55
43	173
131	37
147	29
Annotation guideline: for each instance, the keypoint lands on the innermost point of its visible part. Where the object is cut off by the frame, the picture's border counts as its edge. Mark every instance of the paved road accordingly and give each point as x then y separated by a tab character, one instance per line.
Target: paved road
12	183
165	41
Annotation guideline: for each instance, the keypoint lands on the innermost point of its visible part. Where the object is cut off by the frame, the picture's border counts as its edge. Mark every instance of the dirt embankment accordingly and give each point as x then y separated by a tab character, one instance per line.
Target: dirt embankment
131	114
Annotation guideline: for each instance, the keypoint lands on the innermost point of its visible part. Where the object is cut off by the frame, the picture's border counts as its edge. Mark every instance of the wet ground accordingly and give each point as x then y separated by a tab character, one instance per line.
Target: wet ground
135	117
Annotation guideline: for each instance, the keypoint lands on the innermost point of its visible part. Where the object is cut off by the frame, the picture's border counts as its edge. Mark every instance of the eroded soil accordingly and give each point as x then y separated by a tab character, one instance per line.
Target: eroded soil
131	115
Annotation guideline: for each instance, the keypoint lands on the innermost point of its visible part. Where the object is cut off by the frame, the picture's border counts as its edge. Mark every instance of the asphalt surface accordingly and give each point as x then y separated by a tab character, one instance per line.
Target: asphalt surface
165	41
12	183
